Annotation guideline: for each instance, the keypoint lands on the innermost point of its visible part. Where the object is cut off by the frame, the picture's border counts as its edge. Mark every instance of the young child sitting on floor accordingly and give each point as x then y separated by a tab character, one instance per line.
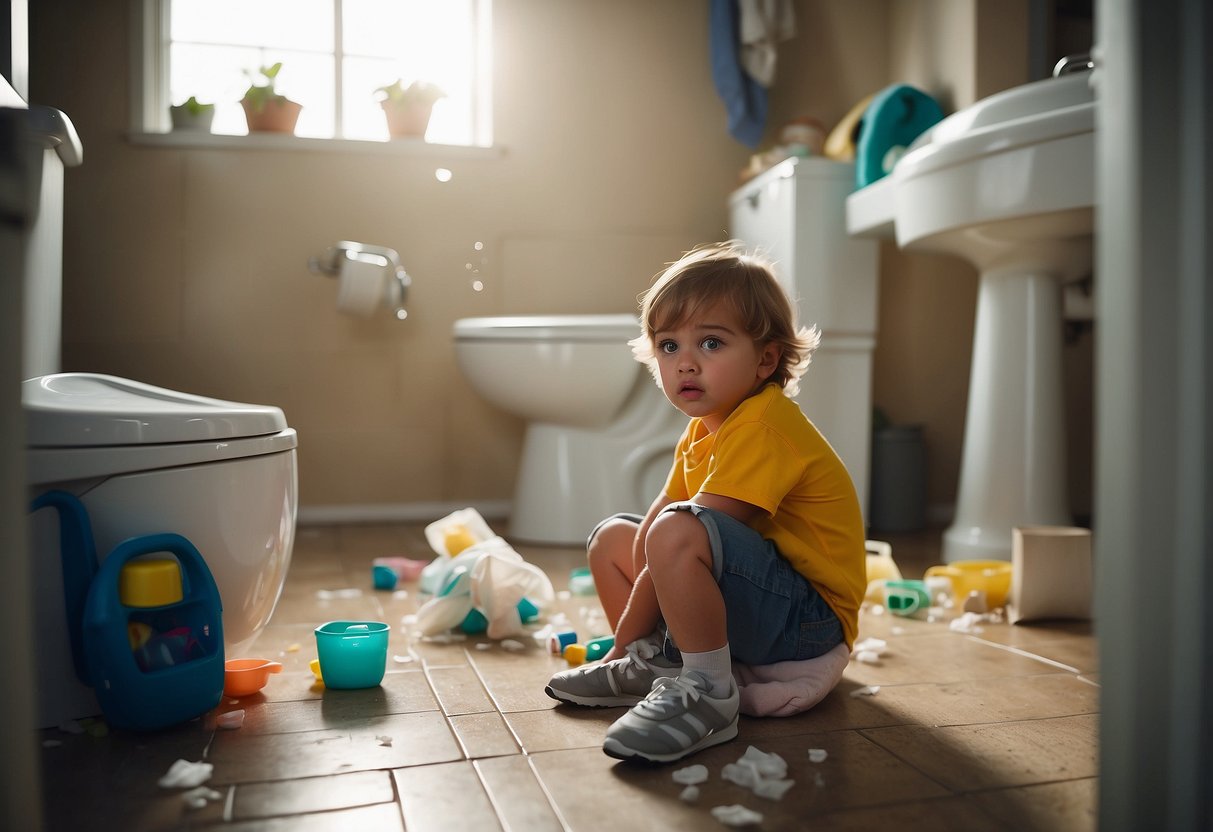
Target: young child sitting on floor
754	551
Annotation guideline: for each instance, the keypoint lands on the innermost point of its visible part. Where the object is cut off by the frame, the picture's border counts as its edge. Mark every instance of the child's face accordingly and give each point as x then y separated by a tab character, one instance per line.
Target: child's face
708	364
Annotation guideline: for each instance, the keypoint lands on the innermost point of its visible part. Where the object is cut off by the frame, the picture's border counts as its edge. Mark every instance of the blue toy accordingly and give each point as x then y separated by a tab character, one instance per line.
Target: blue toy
150	666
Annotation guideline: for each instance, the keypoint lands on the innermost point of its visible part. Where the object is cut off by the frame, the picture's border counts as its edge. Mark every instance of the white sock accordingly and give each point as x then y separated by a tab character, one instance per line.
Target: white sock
714	665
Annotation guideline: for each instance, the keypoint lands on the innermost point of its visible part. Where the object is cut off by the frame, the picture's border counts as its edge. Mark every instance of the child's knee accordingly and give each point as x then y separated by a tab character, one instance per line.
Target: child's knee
611	541
676	536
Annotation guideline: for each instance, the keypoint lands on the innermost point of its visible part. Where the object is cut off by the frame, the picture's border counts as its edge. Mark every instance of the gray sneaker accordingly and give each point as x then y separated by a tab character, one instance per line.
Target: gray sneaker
676	719
623	681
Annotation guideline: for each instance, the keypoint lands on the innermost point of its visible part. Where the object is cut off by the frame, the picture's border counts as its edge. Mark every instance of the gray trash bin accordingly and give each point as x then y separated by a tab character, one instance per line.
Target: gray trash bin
899	479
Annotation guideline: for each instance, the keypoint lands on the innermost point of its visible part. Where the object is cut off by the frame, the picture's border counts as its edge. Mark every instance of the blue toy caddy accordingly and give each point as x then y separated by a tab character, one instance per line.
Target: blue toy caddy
187	680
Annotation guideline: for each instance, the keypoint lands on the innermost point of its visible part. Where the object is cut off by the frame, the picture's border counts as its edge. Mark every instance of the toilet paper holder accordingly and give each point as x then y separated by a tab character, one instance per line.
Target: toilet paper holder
387	258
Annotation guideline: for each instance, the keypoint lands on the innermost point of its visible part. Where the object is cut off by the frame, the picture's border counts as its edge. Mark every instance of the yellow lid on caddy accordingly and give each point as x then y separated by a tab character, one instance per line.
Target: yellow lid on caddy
154	582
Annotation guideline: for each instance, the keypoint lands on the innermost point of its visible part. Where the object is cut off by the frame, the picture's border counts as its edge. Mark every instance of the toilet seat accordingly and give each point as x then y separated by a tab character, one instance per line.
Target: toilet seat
81	425
608	329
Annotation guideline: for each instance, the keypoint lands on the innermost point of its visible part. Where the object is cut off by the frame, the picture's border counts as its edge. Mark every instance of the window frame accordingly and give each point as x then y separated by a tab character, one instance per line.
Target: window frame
149	91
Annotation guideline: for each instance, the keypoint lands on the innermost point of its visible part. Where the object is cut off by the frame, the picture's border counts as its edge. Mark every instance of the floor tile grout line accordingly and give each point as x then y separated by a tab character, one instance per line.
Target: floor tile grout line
1020	652
564	824
496	705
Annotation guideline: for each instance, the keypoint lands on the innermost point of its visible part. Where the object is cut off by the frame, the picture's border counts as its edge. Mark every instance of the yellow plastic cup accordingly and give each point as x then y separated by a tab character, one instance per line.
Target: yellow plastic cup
993	577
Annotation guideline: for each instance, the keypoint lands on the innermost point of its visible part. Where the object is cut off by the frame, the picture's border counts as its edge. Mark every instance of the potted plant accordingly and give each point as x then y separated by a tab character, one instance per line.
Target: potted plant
408	109
192	115
264	108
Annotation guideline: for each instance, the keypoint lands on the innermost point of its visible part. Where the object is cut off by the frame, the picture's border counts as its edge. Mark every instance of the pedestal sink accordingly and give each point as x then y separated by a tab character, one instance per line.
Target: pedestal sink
1008	185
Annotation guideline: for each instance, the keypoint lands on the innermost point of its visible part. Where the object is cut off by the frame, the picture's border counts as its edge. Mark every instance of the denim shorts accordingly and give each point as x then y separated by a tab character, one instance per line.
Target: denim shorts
774	613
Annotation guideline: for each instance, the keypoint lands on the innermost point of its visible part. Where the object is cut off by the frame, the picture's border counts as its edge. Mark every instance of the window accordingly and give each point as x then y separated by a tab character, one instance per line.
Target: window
334	53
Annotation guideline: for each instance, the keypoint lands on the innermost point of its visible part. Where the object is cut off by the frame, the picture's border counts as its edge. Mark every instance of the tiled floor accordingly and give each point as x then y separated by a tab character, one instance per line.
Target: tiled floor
996	730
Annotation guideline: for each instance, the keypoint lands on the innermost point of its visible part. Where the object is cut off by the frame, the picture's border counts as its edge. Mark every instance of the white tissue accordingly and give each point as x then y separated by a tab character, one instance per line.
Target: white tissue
736	815
759	772
691	775
186	775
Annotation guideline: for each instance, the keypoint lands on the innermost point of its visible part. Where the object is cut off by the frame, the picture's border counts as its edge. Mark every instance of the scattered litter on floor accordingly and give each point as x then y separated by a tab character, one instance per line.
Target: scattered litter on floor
691	775
581	581
817	755
399	659
873	645
186	775
385	741
197	798
869	650
760	772
483	646
386	573
512	645
736	815
689	795
293	648
897	631
338	594
230	720
867	690
969	622
484	587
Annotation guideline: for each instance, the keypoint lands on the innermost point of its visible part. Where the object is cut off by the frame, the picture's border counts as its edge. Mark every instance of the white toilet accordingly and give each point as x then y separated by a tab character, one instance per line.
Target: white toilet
142	460
1008	184
600	434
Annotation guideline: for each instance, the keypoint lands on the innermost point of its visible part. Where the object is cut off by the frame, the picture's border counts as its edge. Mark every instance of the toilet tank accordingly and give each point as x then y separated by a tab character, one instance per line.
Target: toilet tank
795	215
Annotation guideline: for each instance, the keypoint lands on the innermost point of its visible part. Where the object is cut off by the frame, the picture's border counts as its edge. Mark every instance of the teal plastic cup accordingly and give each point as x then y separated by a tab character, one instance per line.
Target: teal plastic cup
353	654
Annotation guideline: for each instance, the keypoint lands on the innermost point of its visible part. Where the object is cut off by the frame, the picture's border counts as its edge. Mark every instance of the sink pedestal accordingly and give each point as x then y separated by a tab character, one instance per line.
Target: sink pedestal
1013	468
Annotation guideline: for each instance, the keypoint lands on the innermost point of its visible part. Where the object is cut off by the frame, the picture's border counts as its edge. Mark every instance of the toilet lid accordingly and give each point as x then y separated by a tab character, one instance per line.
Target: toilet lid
77	410
602	328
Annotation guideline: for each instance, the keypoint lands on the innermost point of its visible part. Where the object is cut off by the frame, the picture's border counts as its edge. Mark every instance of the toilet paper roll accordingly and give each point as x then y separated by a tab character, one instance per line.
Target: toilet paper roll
361	283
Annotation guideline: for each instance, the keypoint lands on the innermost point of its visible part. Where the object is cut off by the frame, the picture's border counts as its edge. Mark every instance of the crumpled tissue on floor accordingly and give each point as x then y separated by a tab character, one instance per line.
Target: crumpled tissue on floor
186	775
691	775
197	798
760	772
736	815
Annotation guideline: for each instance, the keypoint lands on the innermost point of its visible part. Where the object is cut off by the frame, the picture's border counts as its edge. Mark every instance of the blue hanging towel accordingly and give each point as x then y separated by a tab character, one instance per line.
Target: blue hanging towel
745	100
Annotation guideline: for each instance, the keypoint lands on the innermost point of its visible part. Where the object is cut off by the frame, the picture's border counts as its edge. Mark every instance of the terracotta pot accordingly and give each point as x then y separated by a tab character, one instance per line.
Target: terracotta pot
278	116
407	120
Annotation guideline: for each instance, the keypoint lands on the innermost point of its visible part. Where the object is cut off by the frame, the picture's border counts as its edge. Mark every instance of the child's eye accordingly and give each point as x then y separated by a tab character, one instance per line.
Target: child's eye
668	347
712	344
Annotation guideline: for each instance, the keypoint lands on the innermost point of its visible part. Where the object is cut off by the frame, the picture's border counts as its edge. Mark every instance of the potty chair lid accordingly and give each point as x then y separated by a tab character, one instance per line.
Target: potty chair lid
76	410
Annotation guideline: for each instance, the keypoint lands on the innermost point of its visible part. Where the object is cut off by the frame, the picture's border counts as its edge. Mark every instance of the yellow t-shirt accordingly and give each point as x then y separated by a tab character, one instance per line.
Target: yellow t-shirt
768	454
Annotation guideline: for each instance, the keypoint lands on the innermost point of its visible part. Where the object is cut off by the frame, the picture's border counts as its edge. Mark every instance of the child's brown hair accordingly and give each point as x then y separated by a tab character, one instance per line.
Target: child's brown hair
725	272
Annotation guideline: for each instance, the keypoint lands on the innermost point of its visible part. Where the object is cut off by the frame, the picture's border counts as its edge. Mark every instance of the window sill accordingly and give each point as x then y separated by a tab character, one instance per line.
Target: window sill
279	141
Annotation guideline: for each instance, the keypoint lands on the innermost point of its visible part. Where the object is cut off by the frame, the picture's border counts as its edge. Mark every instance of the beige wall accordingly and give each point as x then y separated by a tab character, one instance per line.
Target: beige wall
187	267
